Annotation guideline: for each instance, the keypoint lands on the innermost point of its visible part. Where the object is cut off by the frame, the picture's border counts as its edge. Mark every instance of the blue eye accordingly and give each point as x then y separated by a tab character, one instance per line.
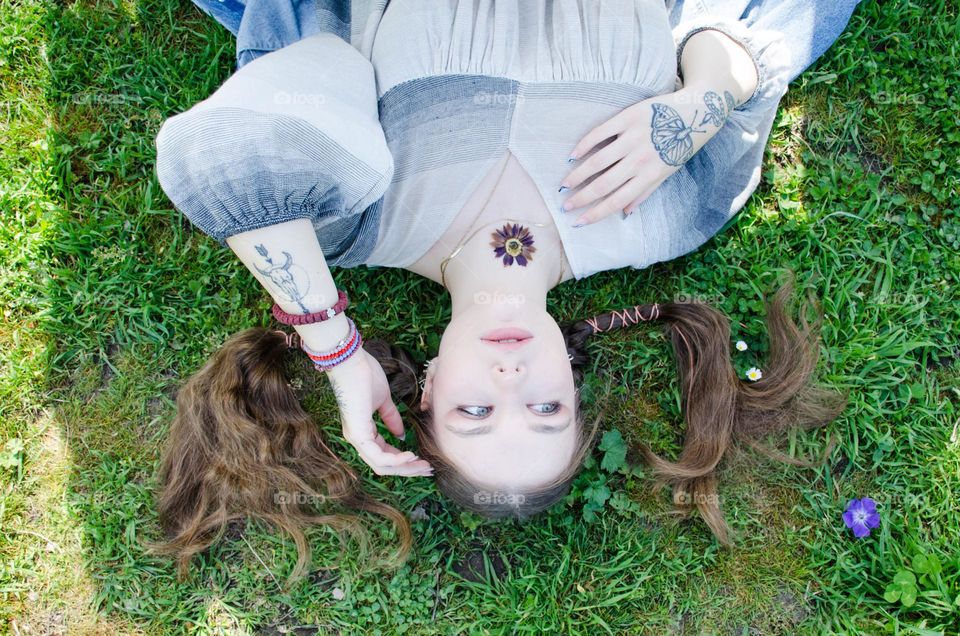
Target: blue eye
475	411
551	408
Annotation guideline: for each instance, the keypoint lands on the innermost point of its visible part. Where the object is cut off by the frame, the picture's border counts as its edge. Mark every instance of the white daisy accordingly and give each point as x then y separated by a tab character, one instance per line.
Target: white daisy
741	345
753	373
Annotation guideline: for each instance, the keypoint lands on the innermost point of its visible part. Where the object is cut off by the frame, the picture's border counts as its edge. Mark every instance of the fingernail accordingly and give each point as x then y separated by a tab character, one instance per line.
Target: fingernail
404	436
562	188
565	206
579	225
571	159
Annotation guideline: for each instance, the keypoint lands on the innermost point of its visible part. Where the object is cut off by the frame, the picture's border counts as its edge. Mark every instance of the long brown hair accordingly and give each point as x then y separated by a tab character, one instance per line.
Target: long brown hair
242	447
718	407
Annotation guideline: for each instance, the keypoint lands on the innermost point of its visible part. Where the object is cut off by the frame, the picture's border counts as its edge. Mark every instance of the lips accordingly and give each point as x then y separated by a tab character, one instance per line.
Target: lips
507	338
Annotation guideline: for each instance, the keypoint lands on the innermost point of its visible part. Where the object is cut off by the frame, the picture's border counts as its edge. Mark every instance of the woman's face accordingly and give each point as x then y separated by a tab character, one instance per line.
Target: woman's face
503	399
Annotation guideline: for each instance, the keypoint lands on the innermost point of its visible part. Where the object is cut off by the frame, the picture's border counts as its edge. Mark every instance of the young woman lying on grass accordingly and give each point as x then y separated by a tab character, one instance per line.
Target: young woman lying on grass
499	151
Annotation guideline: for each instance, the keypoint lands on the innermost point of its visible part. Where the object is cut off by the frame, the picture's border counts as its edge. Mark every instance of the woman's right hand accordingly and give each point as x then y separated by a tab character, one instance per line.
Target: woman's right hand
361	388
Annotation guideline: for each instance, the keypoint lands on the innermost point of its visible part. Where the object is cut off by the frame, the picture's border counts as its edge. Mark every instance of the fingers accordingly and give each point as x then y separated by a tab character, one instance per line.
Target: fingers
386	463
609	128
632	206
391	418
597	162
613	203
418	468
373	448
603	185
385	459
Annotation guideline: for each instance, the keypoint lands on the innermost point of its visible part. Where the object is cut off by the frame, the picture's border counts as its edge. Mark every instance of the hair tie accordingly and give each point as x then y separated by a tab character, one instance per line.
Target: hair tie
292	338
593	323
626	318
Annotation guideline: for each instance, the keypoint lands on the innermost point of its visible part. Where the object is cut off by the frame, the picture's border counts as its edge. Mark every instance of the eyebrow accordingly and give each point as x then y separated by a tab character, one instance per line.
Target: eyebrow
486	428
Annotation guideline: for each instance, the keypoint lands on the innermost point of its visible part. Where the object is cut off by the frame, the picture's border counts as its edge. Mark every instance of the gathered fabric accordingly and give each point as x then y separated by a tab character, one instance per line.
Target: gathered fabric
377	120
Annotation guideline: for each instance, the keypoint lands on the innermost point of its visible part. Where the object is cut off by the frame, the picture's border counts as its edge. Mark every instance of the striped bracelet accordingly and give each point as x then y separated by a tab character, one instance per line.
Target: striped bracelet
326	360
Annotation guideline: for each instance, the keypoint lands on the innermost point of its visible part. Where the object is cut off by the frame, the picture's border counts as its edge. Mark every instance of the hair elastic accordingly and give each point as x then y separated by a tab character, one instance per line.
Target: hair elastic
625	317
292	338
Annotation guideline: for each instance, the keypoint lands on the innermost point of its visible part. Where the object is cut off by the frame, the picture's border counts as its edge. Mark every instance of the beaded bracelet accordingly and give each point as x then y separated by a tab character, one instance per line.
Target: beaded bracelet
319	316
326	360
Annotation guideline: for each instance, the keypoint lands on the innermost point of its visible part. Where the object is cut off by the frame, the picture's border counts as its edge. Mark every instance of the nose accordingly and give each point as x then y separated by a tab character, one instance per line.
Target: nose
509	370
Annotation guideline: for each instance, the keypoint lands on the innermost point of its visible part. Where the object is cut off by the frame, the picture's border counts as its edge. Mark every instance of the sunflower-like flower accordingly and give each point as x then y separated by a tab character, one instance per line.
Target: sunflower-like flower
513	242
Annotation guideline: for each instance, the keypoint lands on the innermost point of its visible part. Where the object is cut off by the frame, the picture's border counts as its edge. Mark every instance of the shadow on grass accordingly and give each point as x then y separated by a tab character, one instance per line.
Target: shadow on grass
137	297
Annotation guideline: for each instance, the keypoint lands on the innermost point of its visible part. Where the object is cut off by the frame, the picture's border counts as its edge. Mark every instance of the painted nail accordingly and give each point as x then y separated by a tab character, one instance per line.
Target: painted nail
563	188
571	159
579	225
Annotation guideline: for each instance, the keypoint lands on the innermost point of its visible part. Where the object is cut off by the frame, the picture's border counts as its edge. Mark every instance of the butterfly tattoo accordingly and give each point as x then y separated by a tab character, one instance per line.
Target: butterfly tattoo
671	136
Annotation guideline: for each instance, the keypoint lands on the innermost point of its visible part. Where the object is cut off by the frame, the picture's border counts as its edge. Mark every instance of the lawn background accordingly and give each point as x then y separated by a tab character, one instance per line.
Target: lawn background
111	299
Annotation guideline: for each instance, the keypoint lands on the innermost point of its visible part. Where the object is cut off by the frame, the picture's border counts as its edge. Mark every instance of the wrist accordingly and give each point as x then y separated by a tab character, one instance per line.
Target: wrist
326	334
347	366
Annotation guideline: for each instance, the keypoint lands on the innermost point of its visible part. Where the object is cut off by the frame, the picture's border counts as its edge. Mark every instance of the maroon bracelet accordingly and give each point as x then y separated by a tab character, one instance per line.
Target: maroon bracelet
307	319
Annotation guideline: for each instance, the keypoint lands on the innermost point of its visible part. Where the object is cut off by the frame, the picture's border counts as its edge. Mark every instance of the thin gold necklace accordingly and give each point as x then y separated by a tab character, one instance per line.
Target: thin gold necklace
463	242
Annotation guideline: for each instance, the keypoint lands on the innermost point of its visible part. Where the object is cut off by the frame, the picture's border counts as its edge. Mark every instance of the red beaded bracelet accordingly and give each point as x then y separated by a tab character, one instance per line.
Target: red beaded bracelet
326	360
337	351
307	319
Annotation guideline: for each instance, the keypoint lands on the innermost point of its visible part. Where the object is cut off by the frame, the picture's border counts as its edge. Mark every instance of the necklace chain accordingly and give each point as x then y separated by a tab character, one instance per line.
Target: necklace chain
464	241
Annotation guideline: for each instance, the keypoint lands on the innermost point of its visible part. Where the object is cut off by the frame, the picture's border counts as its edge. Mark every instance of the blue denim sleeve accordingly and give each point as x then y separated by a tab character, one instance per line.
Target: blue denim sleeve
262	26
783	37
228	13
269	25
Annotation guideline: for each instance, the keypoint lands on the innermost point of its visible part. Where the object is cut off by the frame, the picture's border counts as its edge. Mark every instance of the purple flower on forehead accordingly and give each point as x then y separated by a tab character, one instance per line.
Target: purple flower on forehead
513	242
861	515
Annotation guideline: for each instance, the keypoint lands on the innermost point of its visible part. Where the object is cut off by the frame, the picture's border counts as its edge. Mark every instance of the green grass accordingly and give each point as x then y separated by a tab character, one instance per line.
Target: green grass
110	299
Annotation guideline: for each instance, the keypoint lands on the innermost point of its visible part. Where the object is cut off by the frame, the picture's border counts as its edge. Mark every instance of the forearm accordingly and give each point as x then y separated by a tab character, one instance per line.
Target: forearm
287	260
712	61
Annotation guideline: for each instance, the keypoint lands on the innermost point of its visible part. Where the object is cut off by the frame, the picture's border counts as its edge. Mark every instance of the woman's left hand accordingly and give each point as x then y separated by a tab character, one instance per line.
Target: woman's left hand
651	140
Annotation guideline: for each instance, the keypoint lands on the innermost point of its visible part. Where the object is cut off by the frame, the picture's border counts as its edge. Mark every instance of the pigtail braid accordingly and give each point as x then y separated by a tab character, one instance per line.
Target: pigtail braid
719	408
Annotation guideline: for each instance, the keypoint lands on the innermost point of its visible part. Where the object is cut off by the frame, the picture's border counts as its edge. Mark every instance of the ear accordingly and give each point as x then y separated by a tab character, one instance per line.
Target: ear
427	385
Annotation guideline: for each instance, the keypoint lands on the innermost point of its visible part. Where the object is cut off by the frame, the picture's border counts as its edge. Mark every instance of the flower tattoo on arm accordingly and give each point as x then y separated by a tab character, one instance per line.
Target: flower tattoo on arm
718	109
